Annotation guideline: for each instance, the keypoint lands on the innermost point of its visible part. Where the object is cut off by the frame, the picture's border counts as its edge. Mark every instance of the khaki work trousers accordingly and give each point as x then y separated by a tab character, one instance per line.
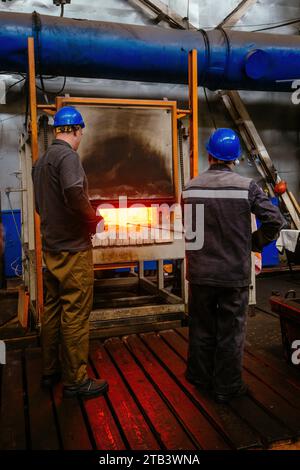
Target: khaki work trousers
68	281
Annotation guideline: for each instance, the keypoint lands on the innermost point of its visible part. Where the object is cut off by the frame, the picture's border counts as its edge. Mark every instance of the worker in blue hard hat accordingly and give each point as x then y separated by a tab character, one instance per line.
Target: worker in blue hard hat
70	122
67	222
219	268
224	145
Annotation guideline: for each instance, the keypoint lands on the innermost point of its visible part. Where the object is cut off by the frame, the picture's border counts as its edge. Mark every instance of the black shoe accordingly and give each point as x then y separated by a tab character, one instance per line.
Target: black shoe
88	389
226	398
194	381
48	381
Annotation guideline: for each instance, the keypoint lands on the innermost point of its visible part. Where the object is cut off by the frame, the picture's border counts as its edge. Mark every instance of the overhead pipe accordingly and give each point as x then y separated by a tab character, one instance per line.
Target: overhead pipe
82	48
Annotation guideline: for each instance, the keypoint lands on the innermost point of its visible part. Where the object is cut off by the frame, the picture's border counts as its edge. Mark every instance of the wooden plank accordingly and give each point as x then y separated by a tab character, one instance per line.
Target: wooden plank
274	404
272	379
73	430
114	295
176	342
183	331
21	342
285	371
102	423
12	419
149	319
237	432
125	329
134	425
108	314
168	431
130	281
43	431
294	201
269	429
196	424
129	301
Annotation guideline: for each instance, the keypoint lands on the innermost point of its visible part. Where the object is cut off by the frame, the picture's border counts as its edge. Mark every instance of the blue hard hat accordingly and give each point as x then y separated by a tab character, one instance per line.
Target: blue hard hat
68	116
224	144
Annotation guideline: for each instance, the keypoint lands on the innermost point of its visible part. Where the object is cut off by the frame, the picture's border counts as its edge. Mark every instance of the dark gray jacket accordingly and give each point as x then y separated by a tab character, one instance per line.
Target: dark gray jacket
61	200
225	201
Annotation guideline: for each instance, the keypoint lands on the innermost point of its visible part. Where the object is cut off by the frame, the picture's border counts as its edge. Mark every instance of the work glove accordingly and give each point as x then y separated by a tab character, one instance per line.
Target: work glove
96	225
260	239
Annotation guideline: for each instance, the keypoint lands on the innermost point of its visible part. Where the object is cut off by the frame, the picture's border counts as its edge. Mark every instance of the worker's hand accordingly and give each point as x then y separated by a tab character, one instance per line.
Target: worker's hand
260	239
96	225
257	243
100	224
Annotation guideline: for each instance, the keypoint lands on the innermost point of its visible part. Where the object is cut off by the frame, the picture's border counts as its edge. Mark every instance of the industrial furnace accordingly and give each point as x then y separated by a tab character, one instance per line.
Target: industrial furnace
129	153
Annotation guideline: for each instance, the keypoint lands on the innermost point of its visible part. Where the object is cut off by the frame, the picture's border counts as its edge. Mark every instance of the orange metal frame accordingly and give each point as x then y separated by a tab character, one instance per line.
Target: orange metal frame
191	113
134	104
35	151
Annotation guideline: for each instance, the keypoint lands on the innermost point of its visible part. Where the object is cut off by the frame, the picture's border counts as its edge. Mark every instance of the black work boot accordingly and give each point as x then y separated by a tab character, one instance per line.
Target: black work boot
48	381
195	381
89	389
226	398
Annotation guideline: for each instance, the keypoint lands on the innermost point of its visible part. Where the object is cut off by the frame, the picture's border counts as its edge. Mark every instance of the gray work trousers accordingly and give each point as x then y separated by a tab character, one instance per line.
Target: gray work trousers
217	328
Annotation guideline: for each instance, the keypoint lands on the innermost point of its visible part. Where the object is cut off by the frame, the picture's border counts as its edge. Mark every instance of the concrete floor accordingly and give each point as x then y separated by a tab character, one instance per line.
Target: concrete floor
263	332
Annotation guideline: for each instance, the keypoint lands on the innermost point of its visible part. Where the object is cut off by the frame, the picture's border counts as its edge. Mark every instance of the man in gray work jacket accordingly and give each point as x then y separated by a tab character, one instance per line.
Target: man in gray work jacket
67	222
219	265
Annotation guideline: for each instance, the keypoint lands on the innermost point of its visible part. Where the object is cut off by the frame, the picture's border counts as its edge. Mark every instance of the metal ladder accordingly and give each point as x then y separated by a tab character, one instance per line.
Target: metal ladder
258	151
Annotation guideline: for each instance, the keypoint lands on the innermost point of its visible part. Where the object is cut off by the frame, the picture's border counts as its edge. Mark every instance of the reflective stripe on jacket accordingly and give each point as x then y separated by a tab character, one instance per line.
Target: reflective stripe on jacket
225	201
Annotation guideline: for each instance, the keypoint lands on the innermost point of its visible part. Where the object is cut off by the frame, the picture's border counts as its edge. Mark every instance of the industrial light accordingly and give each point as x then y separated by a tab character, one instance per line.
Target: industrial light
60	2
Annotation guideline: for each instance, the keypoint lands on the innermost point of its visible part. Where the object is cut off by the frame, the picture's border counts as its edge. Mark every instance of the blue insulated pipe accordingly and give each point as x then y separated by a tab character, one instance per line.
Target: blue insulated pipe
81	48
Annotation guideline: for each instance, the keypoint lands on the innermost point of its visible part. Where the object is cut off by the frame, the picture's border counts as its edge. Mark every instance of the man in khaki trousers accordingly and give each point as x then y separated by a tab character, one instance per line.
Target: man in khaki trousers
67	223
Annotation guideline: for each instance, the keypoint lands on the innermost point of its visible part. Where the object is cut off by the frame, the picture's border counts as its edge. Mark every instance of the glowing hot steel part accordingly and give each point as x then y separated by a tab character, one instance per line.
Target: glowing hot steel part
135	216
134	226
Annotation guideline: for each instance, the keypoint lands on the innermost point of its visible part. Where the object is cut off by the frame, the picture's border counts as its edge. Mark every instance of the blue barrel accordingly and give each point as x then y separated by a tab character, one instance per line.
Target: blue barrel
11	220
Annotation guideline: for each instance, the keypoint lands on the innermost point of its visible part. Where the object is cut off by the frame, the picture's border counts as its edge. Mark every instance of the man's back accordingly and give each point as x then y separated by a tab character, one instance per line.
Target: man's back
228	200
55	172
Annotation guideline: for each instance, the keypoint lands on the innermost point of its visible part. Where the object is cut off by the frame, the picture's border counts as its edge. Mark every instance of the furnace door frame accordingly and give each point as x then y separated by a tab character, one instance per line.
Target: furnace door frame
135	104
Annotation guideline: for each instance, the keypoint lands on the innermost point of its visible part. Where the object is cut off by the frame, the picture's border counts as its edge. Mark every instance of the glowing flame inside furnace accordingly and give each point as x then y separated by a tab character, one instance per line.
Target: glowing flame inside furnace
129	217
